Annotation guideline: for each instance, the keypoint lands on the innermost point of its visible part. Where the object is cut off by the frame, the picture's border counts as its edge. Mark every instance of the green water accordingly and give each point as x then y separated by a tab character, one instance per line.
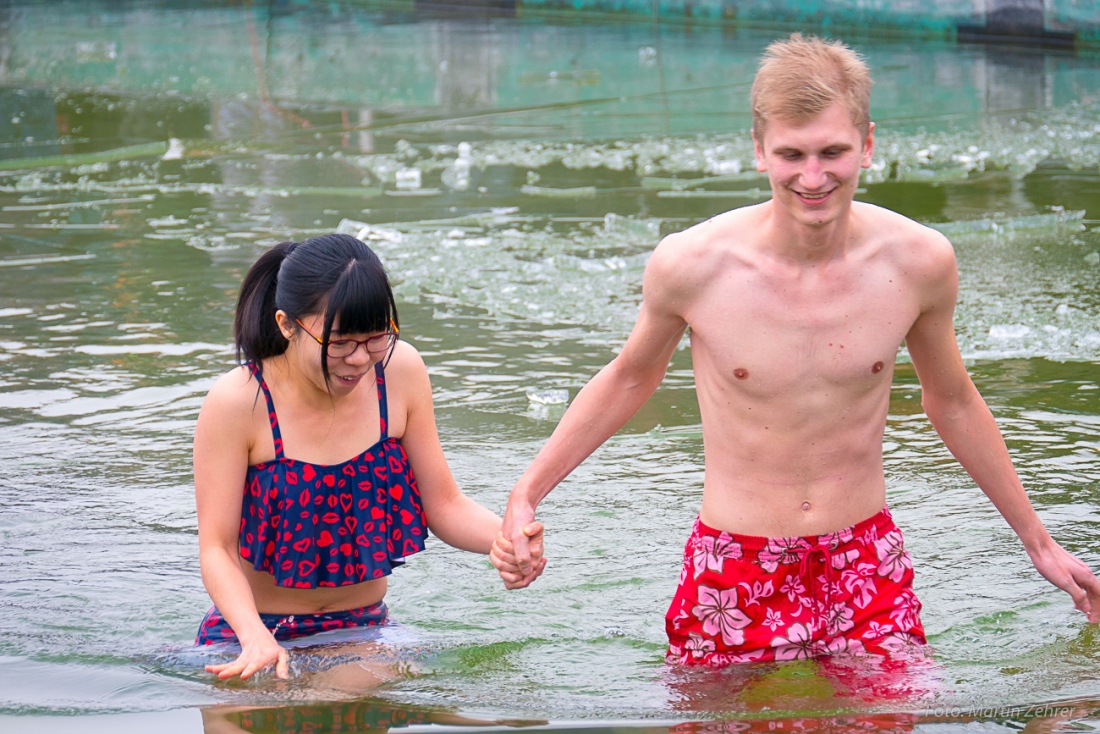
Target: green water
514	176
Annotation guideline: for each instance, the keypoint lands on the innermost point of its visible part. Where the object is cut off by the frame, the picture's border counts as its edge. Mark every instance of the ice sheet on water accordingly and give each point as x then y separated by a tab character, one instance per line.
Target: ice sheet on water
1008	331
1060	220
632	229
1068	135
517	269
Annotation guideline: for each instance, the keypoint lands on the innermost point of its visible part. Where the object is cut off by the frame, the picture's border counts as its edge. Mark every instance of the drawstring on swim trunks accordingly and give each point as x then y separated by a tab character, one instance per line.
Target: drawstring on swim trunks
806	571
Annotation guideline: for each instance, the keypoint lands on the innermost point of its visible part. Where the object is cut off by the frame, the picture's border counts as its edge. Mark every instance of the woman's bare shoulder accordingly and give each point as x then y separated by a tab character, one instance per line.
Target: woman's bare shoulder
234	392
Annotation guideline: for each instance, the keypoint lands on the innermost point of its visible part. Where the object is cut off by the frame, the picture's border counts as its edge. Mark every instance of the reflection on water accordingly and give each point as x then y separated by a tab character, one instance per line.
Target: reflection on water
514	177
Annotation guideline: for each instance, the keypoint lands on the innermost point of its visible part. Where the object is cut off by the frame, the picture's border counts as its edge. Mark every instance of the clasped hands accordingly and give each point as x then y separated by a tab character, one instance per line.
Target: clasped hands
517	552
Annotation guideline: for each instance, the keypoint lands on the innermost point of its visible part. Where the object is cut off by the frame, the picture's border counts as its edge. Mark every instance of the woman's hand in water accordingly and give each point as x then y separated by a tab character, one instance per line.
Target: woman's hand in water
503	556
254	657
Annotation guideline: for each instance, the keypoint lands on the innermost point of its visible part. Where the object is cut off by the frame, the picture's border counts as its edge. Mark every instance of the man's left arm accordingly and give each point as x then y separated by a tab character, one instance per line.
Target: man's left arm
963	420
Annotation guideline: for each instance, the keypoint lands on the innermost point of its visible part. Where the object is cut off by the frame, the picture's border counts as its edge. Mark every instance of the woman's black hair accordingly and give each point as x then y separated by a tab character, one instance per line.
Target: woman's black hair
334	274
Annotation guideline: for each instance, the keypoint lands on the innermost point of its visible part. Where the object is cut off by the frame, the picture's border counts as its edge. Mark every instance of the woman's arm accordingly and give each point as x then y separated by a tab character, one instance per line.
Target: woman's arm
453	517
222	438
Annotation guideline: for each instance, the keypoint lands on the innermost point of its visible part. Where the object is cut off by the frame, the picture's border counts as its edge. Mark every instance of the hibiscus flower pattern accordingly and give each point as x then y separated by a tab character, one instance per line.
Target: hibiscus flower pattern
906	612
894	561
797	645
876	631
903	645
782	552
842	646
839	619
845	593
711	552
795	589
773	620
859	581
698	646
718	612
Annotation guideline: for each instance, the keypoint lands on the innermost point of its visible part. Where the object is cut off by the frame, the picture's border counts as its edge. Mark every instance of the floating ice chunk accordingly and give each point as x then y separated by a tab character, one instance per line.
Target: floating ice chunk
1009	331
350	226
581	192
724	167
647	230
363	231
407	179
551	396
96	51
175	150
170	221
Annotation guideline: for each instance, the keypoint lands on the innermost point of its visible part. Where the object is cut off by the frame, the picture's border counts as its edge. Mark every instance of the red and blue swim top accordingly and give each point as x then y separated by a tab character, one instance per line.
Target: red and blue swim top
312	525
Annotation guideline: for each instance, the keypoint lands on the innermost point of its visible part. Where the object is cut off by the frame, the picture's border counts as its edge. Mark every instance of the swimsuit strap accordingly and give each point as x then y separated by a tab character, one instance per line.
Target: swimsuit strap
383	411
276	434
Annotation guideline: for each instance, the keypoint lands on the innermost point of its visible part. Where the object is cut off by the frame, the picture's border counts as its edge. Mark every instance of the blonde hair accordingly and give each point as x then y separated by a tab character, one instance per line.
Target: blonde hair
800	77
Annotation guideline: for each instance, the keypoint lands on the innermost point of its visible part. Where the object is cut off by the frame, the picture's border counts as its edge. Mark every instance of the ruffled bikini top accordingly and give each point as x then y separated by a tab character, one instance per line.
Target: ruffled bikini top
312	525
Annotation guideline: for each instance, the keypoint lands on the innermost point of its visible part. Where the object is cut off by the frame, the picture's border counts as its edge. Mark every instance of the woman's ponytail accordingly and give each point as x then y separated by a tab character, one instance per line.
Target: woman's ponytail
255	332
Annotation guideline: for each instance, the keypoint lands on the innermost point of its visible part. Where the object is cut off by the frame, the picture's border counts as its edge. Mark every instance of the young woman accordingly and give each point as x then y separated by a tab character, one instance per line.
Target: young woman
318	467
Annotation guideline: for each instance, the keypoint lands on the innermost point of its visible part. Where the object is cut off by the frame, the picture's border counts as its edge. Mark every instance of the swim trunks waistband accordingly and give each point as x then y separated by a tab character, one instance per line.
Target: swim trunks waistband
877	524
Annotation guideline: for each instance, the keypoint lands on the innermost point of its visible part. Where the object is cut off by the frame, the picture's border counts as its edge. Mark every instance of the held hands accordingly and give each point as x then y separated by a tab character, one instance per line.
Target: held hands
517	550
254	657
1071	575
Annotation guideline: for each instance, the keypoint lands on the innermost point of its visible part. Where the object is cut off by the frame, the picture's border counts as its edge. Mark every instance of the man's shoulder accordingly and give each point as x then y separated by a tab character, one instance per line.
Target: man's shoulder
901	232
879	216
914	248
714	237
685	263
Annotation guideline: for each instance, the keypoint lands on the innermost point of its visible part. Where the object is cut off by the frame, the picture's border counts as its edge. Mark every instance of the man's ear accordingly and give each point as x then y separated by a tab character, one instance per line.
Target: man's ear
868	147
758	151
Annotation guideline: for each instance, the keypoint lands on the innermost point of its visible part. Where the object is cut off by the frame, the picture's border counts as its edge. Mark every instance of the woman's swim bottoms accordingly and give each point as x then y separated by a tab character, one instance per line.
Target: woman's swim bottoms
214	628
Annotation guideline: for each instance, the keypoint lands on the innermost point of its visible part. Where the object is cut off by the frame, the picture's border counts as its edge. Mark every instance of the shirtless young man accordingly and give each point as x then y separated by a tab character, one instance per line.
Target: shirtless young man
797	308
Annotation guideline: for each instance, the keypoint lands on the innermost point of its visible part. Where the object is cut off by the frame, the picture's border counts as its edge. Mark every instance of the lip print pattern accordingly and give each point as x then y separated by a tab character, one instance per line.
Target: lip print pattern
214	629
312	525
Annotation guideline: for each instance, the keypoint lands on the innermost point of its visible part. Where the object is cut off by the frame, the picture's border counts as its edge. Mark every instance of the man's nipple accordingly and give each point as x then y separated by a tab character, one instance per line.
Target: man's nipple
741	373
877	367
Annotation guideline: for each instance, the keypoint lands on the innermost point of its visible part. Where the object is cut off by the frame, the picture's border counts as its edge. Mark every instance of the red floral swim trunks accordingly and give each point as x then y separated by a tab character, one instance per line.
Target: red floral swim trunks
744	598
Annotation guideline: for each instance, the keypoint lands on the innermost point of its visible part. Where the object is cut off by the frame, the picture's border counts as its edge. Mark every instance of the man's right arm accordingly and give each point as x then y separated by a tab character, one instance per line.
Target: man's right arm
607	402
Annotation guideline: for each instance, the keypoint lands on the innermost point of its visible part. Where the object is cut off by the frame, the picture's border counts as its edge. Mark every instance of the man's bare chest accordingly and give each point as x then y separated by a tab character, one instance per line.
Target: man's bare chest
770	341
